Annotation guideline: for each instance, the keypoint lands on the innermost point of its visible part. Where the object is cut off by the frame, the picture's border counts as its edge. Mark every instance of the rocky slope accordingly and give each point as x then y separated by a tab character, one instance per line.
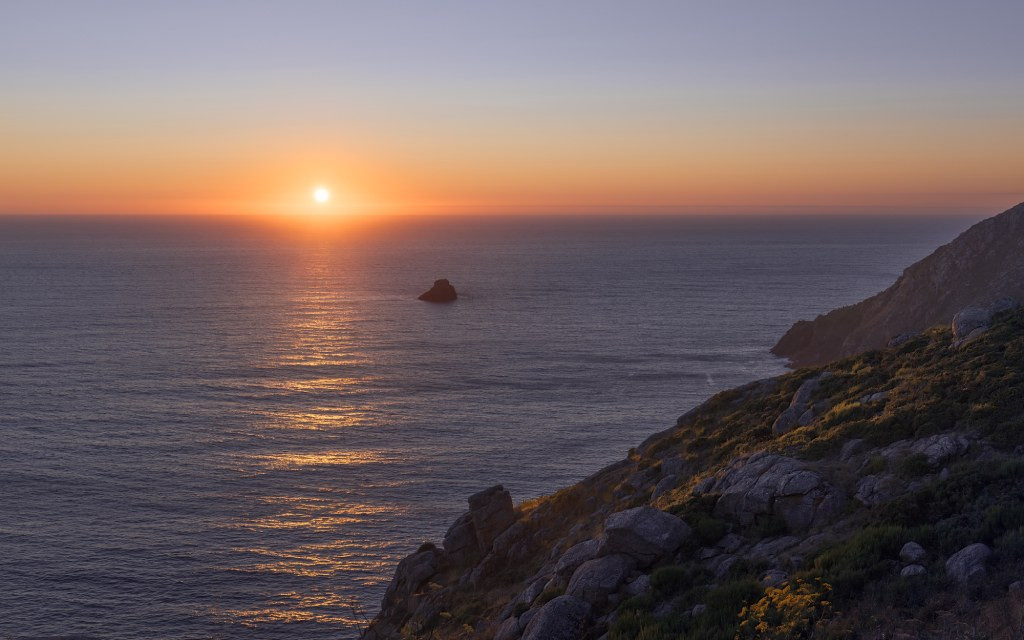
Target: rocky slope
881	496
983	264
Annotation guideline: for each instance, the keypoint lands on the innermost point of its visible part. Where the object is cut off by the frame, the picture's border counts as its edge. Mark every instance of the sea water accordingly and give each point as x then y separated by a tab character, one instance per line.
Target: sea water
223	428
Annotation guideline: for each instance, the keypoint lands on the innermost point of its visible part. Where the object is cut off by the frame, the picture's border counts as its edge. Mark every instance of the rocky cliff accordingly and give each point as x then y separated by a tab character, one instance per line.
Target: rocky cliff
881	496
983	264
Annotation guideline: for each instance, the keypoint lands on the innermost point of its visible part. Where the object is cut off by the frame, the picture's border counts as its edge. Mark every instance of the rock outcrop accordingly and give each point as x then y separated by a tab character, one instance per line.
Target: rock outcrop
968	564
644	533
768	484
564	618
442	291
982	265
492	512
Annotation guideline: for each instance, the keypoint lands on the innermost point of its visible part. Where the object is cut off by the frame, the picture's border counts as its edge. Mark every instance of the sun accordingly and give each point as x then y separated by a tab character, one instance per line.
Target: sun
321	194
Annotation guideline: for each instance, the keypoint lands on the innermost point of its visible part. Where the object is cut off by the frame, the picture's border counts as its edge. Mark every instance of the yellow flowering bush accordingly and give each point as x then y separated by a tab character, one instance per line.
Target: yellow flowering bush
786	612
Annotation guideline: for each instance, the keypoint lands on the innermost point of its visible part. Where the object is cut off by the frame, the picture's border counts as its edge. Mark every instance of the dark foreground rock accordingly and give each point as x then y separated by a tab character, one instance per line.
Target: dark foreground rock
442	291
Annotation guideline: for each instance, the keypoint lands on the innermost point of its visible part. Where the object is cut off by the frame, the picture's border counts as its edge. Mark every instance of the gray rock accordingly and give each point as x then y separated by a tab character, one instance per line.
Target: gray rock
698	609
673	466
639	480
704	486
411	573
968	564
508	539
874	490
850	449
577	555
532	591
644	533
639	585
509	630
730	543
913	570
799	405
1015	587
563	618
878	396
973	320
897	340
524	620
595	579
769	483
940	448
771	548
706	553
912	553
492	512
665	485
719	565
460	541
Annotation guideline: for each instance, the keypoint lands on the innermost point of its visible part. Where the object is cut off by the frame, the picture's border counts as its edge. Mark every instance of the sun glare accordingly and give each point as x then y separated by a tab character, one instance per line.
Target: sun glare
321	194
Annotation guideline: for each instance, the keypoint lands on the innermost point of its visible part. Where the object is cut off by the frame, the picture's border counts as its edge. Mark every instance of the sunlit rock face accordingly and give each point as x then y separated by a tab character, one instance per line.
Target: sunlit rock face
982	265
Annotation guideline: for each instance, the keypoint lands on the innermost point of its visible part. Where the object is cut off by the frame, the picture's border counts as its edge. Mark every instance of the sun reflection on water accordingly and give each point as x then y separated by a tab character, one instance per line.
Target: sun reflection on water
303	529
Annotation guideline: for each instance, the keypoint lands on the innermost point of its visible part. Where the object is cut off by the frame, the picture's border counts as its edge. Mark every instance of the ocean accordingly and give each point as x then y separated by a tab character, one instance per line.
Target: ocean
230	428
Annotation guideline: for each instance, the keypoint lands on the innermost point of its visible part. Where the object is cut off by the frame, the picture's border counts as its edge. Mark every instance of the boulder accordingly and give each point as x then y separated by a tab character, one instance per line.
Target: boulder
874	490
509	630
974	319
460	541
765	484
442	291
913	570
851	448
912	553
596	579
639	585
878	396
800	411
577	555
563	618
643	533
492	512
530	593
664	485
411	573
968	564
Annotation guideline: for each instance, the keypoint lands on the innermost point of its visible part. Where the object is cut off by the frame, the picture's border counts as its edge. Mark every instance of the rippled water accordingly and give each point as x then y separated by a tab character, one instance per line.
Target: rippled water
221	429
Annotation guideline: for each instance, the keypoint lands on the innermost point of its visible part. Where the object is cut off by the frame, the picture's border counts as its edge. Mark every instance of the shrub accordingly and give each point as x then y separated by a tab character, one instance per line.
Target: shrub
788	612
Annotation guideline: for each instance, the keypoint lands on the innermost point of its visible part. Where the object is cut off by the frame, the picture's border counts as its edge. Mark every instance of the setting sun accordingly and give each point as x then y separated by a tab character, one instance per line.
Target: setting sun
321	194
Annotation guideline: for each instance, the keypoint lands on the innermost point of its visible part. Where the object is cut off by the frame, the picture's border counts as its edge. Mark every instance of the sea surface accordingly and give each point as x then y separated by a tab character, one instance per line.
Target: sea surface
230	428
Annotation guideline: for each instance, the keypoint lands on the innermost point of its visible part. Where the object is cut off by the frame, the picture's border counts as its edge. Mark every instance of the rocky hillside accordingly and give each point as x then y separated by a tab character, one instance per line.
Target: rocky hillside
881	496
983	264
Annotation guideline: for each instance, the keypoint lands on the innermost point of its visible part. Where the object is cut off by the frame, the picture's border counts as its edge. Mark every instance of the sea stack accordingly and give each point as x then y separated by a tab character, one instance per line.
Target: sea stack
442	291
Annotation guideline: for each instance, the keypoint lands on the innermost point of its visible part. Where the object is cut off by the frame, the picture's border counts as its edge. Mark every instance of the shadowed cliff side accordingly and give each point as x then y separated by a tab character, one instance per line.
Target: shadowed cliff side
983	264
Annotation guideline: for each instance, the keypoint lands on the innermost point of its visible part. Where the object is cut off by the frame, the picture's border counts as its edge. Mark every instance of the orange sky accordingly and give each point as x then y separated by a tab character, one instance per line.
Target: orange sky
860	120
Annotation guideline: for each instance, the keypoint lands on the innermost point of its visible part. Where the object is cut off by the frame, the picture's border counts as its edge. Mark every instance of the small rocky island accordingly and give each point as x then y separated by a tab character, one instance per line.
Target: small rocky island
442	291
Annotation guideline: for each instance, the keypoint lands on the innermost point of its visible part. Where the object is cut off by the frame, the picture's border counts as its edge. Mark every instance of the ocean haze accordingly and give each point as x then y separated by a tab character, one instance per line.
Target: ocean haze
214	430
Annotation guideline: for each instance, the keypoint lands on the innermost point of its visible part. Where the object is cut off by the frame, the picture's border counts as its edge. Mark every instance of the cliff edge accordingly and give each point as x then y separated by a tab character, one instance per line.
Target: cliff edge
881	496
981	265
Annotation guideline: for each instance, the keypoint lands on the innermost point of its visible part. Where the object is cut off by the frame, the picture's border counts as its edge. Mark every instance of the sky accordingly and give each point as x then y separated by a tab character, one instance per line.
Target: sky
444	106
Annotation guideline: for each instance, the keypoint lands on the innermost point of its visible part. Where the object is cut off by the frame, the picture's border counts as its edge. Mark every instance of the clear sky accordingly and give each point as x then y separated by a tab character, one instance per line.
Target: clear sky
243	106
